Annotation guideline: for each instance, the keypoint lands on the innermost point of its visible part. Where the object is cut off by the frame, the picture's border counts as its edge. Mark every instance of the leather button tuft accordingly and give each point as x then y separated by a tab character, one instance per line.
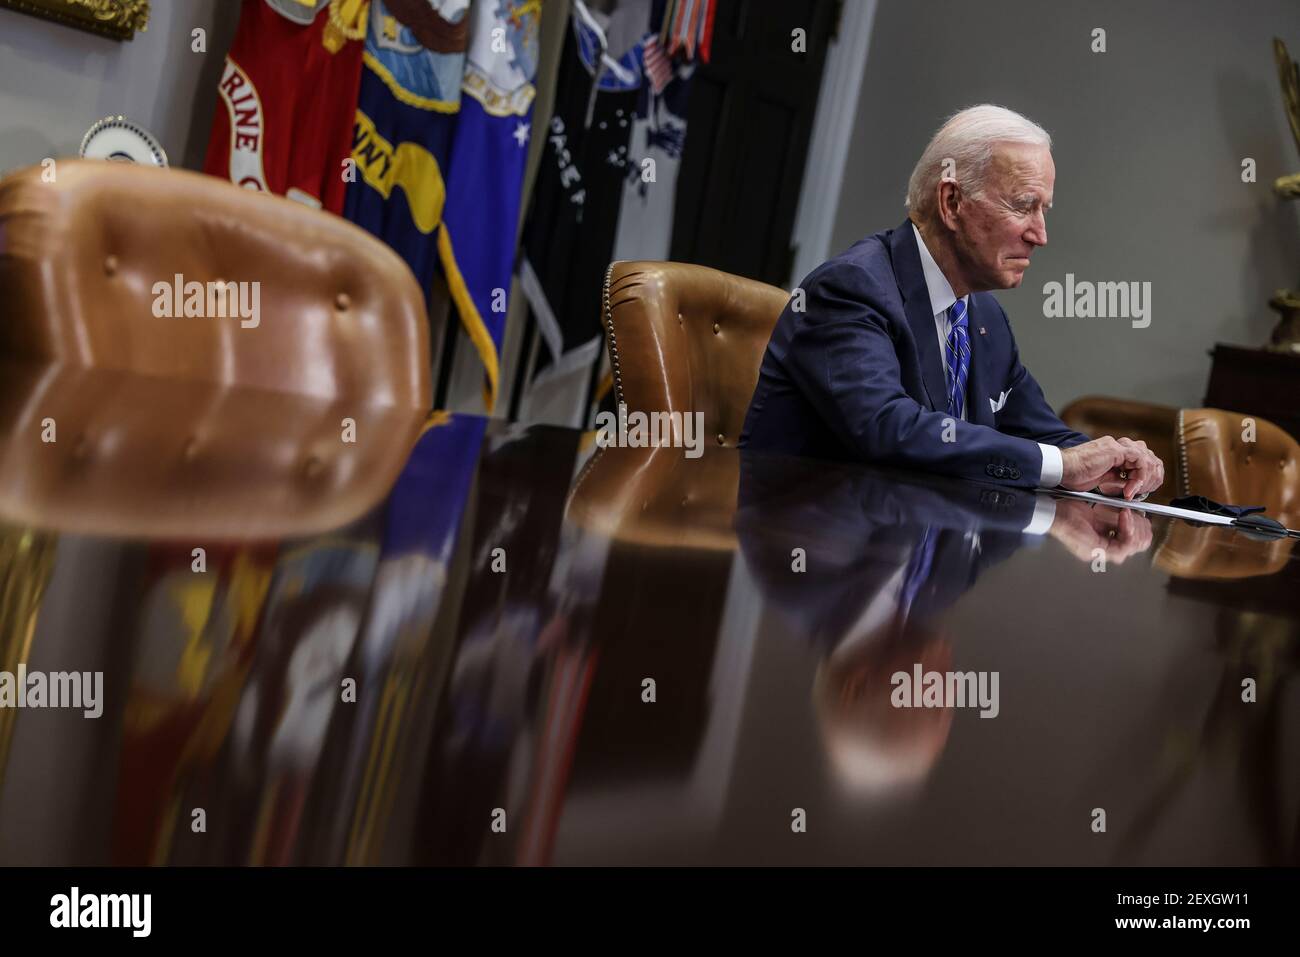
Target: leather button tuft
716	328
679	318
341	301
722	439
110	265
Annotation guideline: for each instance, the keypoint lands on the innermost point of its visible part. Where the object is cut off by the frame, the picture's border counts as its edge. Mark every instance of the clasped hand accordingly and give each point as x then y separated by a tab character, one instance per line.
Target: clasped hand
1112	466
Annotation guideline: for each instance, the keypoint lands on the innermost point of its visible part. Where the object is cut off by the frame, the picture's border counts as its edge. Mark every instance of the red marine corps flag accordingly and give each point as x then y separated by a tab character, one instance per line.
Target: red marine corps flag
289	97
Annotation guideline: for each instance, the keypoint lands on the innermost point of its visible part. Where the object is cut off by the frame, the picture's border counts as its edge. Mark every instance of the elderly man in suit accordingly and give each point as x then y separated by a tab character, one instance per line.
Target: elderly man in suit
897	353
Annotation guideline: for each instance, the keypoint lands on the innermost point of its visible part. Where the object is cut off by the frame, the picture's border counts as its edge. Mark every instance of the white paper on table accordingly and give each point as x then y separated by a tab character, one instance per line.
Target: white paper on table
1190	514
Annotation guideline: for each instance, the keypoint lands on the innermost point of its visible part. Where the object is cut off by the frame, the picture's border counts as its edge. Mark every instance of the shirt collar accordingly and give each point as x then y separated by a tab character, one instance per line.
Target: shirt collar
936	284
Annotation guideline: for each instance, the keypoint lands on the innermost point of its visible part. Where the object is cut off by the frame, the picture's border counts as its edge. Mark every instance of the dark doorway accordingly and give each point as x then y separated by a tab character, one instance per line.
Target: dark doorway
751	117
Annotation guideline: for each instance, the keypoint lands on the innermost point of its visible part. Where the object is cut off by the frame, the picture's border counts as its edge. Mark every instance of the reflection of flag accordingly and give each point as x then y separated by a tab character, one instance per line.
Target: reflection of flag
422	520
486	176
194	641
309	626
425	506
288	90
405	117
502	610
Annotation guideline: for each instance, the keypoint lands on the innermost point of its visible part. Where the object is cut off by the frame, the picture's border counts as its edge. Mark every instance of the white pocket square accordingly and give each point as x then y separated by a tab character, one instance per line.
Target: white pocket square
997	404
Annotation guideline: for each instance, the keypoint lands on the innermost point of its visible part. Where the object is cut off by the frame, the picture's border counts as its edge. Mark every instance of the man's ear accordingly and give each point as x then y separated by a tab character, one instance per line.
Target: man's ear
949	202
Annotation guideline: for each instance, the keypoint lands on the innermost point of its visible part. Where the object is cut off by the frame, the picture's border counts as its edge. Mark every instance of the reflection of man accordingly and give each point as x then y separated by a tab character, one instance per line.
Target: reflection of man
885	556
1082	528
897	354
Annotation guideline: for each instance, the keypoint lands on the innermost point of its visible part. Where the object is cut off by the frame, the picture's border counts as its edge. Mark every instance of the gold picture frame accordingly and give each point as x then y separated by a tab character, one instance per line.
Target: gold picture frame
118	19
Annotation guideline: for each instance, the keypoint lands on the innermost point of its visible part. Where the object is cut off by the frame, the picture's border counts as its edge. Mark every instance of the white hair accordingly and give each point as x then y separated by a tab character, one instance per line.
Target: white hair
963	147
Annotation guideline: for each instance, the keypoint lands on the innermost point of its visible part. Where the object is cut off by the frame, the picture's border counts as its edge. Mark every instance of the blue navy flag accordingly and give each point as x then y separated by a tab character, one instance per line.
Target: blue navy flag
459	162
406	115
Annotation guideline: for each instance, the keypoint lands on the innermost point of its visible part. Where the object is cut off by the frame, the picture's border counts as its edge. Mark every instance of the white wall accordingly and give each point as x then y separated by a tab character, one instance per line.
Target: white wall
56	81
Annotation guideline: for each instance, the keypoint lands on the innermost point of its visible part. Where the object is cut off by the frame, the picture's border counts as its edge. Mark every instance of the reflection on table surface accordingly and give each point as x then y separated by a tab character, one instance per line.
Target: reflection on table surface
461	642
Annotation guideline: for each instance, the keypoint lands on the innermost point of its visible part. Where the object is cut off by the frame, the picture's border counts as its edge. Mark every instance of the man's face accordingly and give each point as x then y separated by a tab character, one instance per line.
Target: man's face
995	234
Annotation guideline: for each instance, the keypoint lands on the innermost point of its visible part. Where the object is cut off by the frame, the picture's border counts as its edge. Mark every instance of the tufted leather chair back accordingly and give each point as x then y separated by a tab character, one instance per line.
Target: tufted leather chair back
340	315
1215	461
685	338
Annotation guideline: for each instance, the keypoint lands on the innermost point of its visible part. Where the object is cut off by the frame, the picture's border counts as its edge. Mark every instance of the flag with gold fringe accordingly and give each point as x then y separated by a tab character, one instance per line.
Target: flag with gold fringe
405	117
288	90
439	174
488	156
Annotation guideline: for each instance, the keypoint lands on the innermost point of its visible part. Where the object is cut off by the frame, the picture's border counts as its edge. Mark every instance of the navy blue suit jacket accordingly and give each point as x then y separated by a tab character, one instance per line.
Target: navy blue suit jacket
858	375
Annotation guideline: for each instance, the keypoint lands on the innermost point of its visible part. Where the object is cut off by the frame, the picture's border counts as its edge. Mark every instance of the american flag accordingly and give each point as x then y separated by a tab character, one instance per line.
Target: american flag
657	66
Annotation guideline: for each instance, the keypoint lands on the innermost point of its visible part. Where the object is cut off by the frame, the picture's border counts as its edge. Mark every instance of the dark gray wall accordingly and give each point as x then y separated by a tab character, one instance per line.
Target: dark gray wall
1149	138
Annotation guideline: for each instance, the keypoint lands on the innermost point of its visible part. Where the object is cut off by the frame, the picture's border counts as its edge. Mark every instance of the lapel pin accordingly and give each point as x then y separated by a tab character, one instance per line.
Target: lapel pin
983	331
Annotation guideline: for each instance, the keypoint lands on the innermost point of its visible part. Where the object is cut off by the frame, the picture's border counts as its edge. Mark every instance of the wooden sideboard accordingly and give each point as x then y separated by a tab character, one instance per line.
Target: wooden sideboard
1256	382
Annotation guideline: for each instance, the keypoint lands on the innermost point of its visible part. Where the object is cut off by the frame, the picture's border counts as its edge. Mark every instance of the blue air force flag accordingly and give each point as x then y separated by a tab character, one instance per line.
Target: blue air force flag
488	156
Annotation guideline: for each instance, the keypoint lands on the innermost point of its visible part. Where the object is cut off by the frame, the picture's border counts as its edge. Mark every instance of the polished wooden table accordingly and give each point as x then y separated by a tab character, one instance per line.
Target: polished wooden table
463	642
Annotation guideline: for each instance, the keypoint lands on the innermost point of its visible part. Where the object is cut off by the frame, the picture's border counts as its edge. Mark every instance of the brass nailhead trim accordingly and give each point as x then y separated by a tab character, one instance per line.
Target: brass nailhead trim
341	301
615	368
1182	455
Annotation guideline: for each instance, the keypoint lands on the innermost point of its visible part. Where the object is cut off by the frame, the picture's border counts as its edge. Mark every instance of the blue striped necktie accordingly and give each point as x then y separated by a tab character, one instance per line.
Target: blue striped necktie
918	570
958	358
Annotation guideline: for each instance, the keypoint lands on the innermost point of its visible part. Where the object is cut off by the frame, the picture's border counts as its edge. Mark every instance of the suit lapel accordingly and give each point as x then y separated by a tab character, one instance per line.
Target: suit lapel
920	315
978	409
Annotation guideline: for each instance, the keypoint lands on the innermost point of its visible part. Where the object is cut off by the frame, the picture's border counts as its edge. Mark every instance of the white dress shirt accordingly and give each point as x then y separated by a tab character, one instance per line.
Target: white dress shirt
941	300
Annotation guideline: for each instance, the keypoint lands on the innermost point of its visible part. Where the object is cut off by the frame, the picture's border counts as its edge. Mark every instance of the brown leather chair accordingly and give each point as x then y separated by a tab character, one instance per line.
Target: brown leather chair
685	338
1205	454
1216	461
1204	451
341	316
160	458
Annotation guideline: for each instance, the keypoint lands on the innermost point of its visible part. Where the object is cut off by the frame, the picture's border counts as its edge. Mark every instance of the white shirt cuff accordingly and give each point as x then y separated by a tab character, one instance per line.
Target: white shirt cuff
1053	468
1044	515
